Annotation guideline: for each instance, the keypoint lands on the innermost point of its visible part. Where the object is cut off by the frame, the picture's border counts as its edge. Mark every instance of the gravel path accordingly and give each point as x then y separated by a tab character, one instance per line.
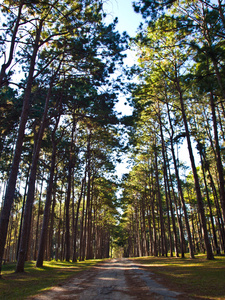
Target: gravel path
116	279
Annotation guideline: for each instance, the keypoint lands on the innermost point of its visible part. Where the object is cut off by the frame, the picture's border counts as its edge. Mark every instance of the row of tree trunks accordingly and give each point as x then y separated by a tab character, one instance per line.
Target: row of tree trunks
43	237
176	213
31	187
10	191
51	240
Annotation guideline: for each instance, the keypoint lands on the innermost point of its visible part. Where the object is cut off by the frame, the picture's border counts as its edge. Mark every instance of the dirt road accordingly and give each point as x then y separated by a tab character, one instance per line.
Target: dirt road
117	279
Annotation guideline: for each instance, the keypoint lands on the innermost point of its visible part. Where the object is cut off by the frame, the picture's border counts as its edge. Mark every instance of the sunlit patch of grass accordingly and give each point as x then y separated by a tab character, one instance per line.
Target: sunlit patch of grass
198	277
34	280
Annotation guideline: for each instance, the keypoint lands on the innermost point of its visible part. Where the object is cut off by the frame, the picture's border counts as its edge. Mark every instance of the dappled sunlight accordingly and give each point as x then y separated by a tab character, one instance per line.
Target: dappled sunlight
107	278
200	276
35	280
185	275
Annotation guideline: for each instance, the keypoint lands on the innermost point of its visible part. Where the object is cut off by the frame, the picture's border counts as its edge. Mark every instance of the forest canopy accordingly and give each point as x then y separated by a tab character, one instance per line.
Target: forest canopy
61	74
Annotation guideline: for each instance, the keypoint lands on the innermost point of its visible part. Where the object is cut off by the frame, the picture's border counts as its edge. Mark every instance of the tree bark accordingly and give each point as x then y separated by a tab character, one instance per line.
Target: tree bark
12	46
208	200
196	179
171	210
38	220
44	230
76	220
163	237
31	188
218	157
165	175
180	193
82	228
9	195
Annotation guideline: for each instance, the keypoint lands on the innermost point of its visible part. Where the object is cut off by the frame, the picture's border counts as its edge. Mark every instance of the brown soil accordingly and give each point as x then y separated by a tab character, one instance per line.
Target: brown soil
116	279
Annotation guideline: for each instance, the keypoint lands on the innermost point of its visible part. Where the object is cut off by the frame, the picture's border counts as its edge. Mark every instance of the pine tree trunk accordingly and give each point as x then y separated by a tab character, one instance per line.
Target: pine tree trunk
151	248
143	226
88	205
68	196
218	157
82	229
165	182
37	225
208	201
220	120
31	188
67	207
22	212
138	244
51	227
163	237
76	219
196	179
58	232
181	195
152	210
12	46
10	190
172	214
218	211
155	247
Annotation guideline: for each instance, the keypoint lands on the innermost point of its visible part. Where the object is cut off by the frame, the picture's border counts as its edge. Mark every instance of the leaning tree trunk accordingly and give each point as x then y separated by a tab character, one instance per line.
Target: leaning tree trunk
171	208
10	191
43	237
6	65
216	201
218	157
183	204
179	221
208	199
165	182
180	191
196	179
31	188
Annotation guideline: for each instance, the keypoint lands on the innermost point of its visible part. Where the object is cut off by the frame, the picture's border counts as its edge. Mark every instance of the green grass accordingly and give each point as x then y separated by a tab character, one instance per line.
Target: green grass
199	277
34	280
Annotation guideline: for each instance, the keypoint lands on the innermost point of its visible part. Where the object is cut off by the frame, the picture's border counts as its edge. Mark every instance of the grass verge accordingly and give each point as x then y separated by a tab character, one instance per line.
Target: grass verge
35	280
198	278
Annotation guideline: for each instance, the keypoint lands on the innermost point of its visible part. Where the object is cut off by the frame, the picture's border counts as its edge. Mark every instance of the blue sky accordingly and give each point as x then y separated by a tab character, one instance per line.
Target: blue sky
128	19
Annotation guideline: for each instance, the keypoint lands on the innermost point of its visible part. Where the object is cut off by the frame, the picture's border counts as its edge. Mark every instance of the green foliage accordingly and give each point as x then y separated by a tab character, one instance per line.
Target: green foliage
10	109
152	7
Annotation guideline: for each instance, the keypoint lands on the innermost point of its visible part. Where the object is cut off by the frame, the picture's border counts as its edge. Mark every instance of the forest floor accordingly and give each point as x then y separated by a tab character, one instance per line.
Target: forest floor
114	279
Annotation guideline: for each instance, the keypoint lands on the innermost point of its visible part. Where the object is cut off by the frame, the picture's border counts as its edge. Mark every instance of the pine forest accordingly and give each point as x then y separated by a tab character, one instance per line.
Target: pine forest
62	141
